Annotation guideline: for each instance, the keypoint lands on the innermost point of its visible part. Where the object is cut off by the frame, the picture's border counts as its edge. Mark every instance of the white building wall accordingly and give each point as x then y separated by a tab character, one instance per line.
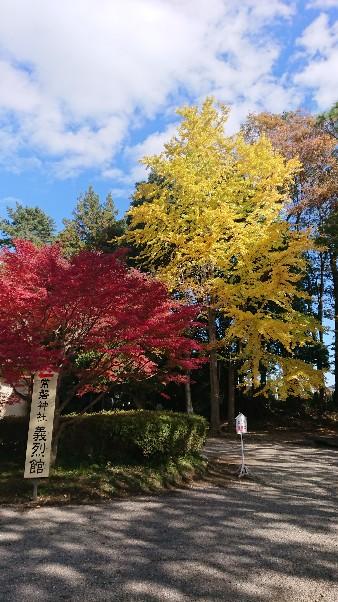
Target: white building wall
10	403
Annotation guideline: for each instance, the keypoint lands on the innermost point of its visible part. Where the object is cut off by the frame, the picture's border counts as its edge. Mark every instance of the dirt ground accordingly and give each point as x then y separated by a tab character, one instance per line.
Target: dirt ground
272	537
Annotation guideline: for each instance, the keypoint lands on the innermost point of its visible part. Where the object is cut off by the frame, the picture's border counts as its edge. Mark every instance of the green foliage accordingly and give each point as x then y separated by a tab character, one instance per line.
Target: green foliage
94	225
329	120
28	223
114	436
93	482
131	435
13	438
328	234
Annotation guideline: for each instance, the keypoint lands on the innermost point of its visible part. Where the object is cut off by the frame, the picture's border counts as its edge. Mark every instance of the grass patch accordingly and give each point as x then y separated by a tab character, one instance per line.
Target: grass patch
98	483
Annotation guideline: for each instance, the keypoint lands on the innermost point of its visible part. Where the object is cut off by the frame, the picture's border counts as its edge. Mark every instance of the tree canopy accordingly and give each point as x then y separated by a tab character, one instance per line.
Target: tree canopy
28	223
94	225
214	230
241	229
313	203
89	318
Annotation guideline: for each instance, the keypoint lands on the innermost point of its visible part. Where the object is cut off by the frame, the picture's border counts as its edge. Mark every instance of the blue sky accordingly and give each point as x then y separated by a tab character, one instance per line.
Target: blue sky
90	86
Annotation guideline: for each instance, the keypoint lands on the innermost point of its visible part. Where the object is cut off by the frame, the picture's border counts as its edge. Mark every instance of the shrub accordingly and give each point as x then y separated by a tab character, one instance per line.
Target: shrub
122	436
131	436
13	438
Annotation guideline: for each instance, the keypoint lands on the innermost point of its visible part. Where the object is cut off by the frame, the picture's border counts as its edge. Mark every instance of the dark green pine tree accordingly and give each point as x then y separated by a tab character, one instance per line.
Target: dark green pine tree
29	223
329	120
93	226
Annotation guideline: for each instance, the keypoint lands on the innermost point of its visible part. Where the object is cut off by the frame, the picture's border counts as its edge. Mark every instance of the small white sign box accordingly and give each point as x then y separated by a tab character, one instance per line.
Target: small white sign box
41	425
241	424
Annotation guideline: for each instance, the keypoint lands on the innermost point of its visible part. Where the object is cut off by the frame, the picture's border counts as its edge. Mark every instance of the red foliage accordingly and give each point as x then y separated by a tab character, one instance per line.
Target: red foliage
89	316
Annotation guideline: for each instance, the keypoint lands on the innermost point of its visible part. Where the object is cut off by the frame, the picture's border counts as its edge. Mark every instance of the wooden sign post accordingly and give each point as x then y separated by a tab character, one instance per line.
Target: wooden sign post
40	427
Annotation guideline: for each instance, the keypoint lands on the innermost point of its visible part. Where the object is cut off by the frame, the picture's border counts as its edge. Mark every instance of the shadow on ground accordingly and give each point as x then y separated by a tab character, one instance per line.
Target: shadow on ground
271	538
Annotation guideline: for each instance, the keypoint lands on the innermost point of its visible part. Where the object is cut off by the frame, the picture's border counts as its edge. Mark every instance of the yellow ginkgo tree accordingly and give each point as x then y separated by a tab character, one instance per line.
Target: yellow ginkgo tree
211	226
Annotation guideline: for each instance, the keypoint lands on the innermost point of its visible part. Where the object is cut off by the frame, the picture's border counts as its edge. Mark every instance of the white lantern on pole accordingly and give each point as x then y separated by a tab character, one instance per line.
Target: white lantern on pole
242	427
241	424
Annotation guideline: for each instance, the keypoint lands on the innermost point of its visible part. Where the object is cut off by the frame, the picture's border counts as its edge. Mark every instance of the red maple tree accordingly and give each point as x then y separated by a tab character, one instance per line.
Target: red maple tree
89	318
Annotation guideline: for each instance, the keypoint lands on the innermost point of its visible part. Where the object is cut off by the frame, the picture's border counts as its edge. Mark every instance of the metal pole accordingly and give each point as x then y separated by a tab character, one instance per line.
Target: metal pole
243	470
35	490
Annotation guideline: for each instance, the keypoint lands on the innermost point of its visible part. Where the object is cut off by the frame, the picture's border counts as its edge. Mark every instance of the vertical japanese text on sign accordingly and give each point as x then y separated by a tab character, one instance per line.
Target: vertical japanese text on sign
41	426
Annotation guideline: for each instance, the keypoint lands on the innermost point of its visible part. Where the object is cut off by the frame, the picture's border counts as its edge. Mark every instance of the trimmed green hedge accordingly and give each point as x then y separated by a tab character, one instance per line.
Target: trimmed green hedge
13	438
115	436
131	435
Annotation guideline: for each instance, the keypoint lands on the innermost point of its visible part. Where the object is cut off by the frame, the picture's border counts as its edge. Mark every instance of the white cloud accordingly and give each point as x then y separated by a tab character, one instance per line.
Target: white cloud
9	200
77	77
152	145
323	4
136	172
320	73
118	192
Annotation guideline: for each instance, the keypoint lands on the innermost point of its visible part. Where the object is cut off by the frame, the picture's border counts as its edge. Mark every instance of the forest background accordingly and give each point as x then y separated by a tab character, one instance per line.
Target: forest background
230	223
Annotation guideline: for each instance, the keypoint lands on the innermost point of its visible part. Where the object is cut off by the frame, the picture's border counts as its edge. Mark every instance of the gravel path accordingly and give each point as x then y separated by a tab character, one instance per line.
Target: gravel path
273	538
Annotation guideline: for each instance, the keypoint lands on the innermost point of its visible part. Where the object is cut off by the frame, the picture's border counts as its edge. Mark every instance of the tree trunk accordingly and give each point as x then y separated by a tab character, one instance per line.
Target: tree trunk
320	318
263	374
334	270
215	419
56	425
231	396
321	294
55	438
188	402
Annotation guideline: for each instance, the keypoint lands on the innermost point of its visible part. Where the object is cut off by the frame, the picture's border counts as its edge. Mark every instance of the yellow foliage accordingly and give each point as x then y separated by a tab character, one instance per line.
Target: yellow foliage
212	225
